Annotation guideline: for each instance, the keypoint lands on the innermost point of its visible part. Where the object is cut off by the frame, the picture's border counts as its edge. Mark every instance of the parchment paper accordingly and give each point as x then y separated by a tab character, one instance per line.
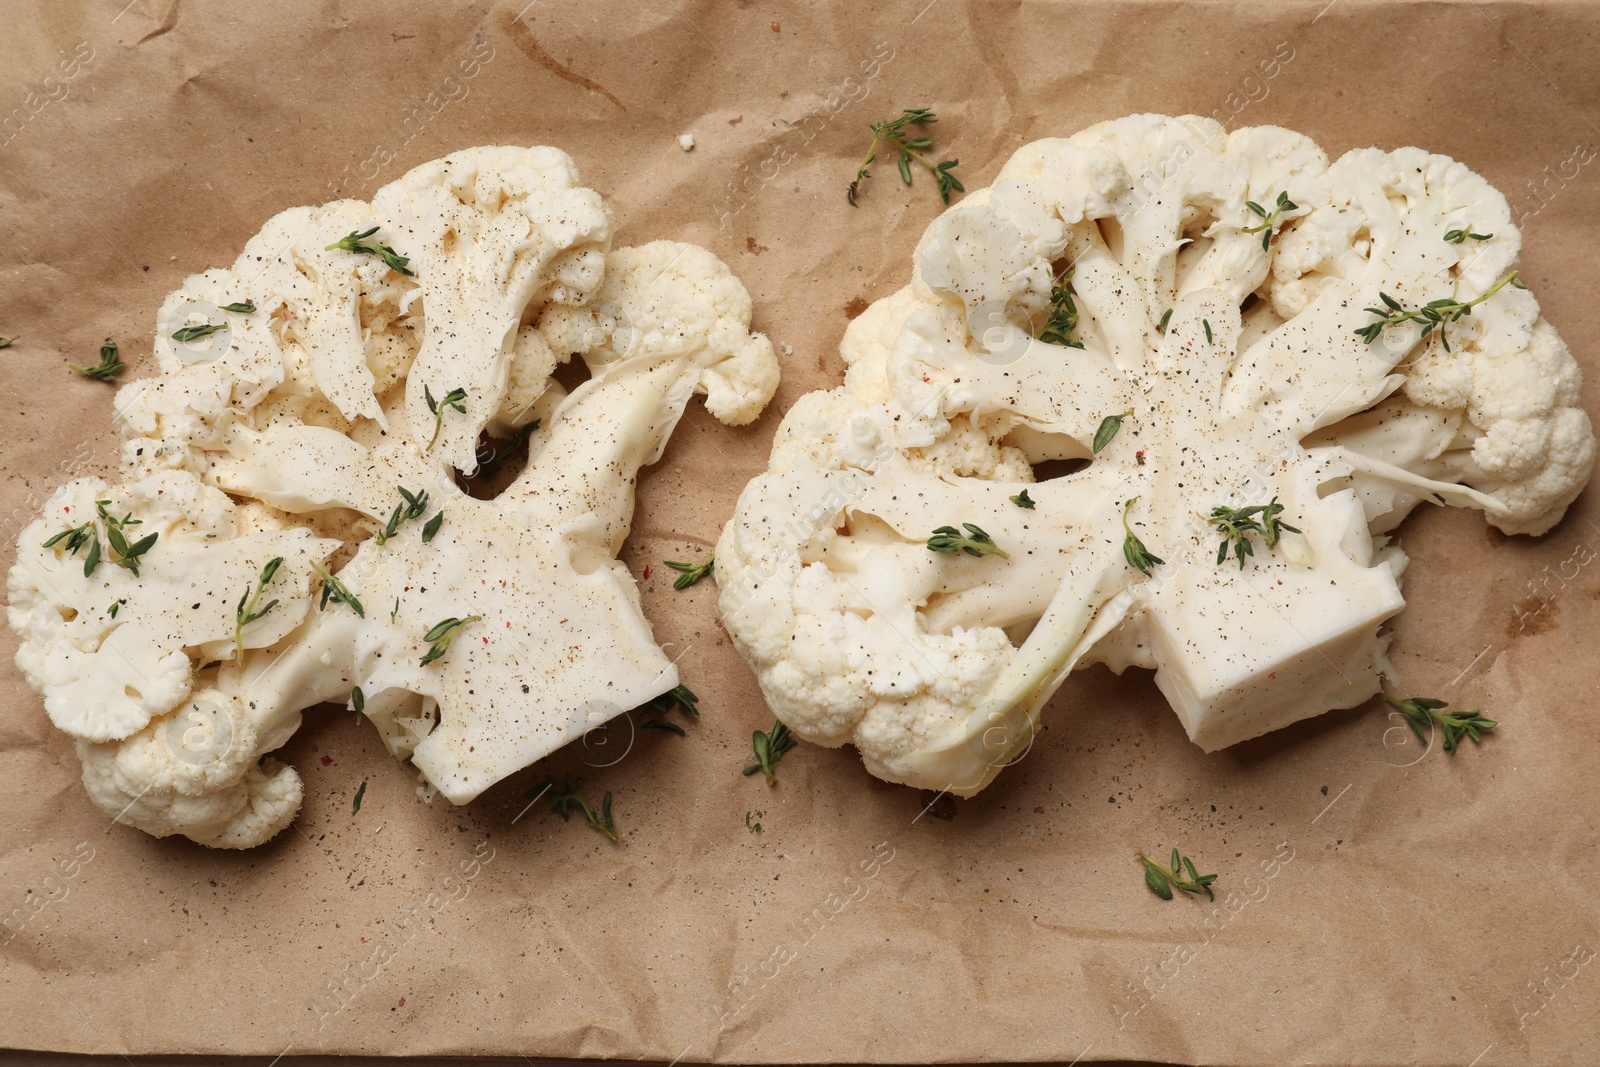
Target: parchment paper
1380	902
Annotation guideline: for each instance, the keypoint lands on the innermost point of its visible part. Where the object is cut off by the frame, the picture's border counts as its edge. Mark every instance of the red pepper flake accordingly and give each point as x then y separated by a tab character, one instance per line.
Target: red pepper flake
926	379
327	761
402	1002
1139	455
647	570
508	624
1038	811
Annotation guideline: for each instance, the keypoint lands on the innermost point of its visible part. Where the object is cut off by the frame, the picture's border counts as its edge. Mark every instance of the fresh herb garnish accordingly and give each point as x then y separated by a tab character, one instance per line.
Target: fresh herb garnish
1207	324
489	465
127	555
769	749
894	131
430	529
412	506
1023	500
754	828
441	635
692	572
949	540
1063	321
76	537
242	307
1166	317
395	610
7	342
1422	711
455	398
680	696
357	242
194	333
1269	221
358	699
1434	315
1456	237
334	589
1108	430
107	369
1235	524
601	820
361	791
1133	550
1163	880
247	612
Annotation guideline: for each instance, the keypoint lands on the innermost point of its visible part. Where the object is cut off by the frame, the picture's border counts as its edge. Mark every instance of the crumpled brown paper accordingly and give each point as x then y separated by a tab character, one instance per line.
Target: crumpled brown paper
1379	902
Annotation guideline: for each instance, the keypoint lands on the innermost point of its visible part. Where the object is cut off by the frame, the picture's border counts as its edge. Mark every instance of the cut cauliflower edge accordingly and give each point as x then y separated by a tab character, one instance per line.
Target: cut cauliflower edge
292	433
1233	343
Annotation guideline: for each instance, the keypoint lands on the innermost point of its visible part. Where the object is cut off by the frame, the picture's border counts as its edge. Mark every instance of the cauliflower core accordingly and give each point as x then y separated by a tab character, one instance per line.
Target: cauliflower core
368	348
1218	283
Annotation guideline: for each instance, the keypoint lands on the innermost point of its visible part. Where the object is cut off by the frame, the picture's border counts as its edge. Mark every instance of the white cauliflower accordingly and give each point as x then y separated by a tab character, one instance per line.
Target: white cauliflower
1203	294
335	380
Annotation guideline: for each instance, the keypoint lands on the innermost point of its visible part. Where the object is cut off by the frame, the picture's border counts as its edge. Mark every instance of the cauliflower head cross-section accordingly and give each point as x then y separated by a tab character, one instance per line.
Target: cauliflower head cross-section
330	425
1205	294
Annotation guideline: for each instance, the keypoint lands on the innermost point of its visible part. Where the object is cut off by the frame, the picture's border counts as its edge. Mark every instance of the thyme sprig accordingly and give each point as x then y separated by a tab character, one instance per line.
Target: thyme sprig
1460	236
1421	712
356	241
600	820
681	697
440	636
247	612
1139	557
455	398
1270	221
411	506
1163	879
949	540
76	537
1236	524
689	573
1023	500
107	369
127	555
910	149
1434	315
1063	321
769	749
489	465
334	589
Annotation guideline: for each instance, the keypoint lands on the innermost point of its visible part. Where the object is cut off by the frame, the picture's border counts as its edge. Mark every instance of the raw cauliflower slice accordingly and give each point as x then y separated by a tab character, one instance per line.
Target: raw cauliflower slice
386	339
1219	284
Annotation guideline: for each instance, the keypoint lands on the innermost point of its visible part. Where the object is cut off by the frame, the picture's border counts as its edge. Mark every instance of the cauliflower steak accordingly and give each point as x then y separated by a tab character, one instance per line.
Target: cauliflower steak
1254	363
292	529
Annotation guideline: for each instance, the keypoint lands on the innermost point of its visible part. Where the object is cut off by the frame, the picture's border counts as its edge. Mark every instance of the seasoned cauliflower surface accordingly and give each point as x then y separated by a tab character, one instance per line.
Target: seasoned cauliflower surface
1181	319
292	528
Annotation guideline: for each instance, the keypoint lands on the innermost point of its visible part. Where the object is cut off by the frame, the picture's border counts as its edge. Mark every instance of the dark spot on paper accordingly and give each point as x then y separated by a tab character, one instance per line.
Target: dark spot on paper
944	807
855	307
755	249
529	45
1532	615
